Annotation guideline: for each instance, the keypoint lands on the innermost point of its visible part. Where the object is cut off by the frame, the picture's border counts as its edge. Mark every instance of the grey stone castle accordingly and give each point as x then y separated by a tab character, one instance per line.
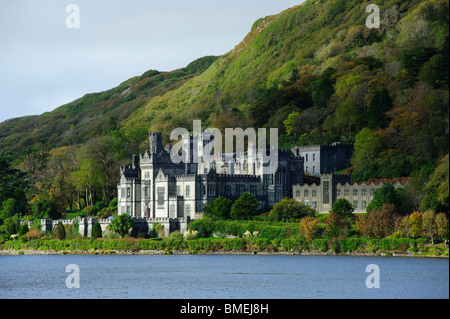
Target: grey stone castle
155	187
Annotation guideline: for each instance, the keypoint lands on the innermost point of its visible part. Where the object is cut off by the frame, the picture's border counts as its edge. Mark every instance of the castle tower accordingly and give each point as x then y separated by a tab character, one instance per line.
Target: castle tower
155	142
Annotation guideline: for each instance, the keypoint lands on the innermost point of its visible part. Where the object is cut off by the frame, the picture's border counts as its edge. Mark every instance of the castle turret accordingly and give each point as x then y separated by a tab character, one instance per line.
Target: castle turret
155	142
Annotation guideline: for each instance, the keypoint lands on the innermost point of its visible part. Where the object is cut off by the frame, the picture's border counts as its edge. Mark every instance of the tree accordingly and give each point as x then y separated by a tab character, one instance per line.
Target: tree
12	185
59	232
379	223
368	145
288	209
310	227
380	103
23	229
121	224
429	224
97	230
415	224
244	207
337	225
322	89
8	209
442	226
290	124
218	209
435	71
437	189
346	118
342	206
384	195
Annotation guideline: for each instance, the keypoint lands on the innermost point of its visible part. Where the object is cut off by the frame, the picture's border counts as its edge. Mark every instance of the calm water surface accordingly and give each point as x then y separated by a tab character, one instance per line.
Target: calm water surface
223	277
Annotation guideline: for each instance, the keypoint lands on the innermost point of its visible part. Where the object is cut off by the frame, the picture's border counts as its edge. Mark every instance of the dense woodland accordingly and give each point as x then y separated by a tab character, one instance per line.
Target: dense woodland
315	71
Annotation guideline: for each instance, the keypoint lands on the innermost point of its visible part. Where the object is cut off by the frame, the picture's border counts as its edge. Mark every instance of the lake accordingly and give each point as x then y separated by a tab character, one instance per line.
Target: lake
222	277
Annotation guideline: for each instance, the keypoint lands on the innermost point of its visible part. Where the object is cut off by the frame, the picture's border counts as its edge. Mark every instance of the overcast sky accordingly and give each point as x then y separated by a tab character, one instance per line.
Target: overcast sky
44	64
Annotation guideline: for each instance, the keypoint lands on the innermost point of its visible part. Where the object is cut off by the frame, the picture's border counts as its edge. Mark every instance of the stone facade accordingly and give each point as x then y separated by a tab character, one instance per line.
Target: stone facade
322	192
155	187
325	159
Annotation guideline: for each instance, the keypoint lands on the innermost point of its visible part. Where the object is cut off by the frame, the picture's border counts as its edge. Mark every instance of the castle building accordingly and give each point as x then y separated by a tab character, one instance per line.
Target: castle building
321	192
153	186
156	187
325	159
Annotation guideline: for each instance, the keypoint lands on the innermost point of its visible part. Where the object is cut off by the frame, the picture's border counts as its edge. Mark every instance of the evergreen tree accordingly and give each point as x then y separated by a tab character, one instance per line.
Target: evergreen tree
380	103
343	207
97	230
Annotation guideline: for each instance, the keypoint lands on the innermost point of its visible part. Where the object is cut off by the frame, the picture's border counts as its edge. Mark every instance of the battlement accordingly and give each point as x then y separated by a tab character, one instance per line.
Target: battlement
239	176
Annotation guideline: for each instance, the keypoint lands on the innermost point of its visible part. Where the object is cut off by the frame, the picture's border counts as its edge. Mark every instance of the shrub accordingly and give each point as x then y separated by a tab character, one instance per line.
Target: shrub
244	207
320	244
59	232
23	229
121	224
218	209
190	234
288	209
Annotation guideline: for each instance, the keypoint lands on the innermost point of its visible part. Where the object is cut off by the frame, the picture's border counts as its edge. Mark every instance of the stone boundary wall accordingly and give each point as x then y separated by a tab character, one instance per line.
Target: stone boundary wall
140	224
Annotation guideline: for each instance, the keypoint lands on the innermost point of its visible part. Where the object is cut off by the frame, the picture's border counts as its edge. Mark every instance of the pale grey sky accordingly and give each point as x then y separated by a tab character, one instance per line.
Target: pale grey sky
44	64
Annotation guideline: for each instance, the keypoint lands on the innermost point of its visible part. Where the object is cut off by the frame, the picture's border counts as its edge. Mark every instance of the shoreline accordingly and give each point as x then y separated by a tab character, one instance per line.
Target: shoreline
30	252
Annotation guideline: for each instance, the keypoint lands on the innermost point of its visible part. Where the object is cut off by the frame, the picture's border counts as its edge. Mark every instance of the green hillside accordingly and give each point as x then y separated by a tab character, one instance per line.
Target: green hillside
314	71
320	75
96	113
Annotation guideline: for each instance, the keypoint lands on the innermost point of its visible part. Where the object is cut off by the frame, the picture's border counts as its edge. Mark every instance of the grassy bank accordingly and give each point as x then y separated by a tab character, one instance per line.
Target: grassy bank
391	246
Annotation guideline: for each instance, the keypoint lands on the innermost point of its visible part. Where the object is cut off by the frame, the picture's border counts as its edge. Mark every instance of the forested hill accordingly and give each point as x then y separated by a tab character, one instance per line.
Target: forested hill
314	71
95	113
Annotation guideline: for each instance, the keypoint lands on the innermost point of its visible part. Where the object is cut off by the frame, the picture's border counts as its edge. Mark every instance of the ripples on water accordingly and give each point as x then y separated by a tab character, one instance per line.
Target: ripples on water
223	277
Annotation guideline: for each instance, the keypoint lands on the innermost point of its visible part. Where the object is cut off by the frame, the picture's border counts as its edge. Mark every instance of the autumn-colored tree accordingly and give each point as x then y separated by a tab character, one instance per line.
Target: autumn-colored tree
415	224
33	234
442	226
337	225
429	224
379	223
309	226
